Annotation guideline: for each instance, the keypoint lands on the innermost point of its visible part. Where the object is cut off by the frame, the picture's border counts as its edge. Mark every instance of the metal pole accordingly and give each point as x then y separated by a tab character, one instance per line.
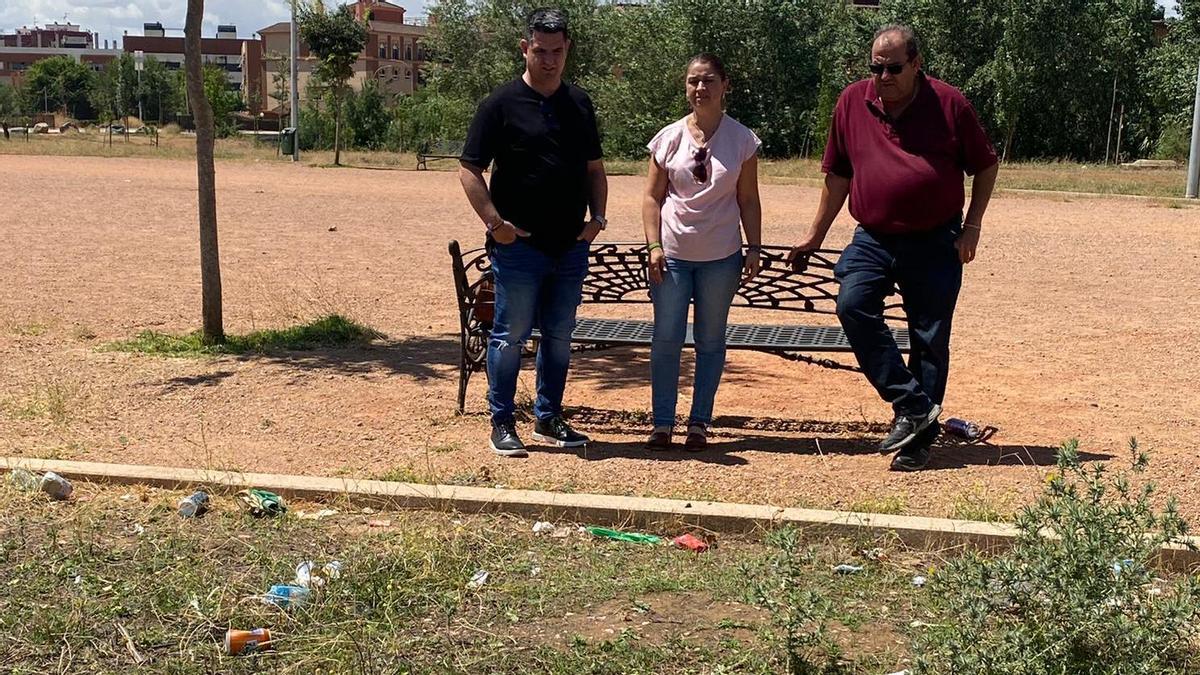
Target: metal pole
141	116
1111	111
295	97
1193	183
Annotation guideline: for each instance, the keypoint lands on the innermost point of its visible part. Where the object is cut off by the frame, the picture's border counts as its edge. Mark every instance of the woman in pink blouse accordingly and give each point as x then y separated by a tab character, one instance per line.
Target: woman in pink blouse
701	193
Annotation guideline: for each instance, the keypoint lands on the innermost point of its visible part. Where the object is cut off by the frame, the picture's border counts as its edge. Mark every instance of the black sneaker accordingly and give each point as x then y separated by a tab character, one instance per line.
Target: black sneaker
556	431
906	428
915	455
505	441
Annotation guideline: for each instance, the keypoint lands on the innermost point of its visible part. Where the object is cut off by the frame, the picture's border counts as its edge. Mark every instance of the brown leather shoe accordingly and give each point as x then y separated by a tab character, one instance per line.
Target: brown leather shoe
659	440
697	438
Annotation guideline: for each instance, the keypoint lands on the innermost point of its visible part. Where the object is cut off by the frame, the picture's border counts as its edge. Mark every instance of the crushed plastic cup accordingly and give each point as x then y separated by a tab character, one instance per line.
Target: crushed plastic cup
847	569
478	579
56	486
194	505
543	527
305	577
285	596
918	581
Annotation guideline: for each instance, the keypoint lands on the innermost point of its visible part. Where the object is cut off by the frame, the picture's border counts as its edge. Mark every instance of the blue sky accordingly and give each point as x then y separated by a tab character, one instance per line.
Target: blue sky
111	17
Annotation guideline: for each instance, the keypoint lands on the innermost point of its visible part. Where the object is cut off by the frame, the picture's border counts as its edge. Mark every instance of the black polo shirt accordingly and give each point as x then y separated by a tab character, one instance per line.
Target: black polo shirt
541	147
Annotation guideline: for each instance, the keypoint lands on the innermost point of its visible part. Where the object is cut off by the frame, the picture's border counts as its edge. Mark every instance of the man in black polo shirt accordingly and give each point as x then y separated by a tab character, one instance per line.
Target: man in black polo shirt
541	133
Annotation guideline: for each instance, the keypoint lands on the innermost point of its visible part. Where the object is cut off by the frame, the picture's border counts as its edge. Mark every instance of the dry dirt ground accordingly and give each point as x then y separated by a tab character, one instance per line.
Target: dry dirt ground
1079	319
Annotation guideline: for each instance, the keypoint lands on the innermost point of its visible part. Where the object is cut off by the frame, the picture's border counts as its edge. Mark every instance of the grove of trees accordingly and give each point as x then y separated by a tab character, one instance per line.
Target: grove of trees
1051	79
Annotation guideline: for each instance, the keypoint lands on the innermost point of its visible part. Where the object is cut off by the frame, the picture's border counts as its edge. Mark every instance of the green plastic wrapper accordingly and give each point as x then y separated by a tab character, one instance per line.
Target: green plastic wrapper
617	535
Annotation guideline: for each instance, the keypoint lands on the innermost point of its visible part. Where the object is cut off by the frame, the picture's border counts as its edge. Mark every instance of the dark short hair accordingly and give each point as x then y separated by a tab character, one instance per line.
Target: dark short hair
712	61
546	20
912	47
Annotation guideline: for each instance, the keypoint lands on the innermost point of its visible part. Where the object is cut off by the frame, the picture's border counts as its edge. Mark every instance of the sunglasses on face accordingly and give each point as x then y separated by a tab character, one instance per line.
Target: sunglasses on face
700	170
892	68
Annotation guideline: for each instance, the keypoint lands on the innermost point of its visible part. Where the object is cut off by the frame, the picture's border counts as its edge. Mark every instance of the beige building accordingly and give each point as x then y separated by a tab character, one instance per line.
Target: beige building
393	54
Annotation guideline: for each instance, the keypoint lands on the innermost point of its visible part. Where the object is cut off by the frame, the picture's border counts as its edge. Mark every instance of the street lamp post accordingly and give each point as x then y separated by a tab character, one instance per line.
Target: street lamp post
139	58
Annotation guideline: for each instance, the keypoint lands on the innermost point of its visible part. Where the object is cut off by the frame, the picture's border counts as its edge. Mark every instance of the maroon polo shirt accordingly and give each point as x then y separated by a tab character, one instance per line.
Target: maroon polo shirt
906	174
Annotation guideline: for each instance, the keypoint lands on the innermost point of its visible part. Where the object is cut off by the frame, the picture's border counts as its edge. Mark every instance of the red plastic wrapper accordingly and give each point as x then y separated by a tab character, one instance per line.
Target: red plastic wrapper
691	543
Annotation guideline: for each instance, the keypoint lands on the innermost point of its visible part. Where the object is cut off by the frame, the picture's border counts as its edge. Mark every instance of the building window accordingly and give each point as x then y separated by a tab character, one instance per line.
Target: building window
408	53
382	51
396	52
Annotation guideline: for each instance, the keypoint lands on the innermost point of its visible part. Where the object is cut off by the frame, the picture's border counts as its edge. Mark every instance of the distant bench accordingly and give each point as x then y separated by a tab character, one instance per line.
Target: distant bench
617	274
438	150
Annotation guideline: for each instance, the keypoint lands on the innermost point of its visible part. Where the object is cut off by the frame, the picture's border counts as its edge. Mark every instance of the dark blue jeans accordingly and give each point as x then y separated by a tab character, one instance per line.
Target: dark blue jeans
927	270
533	289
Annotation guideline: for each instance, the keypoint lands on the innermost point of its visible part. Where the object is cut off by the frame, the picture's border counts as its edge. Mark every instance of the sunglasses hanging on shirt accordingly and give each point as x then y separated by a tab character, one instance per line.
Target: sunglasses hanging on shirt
700	169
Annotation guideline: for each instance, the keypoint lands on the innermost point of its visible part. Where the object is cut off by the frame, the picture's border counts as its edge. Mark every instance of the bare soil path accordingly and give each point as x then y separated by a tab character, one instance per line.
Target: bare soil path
1079	319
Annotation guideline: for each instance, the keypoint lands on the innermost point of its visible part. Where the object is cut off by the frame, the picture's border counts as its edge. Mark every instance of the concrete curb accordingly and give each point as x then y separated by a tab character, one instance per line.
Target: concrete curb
612	510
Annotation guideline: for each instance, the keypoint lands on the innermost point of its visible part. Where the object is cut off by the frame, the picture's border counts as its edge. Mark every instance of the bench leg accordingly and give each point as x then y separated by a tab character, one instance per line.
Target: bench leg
464	378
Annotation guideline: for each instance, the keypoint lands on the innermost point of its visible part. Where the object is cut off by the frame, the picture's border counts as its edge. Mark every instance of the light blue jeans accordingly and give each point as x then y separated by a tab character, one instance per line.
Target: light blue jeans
711	285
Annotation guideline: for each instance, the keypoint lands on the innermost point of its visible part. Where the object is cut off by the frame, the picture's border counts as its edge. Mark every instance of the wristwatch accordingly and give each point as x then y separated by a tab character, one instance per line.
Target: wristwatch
602	220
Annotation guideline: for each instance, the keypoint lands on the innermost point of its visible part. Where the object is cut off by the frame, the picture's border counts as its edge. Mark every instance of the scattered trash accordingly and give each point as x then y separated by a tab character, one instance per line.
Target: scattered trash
690	542
284	596
23	480
543	527
316	515
918	581
900	672
478	579
847	569
304	575
247	641
262	503
379	522
630	537
1121	566
968	431
137	529
333	228
332	570
367	511
873	553
535	570
194	505
56	486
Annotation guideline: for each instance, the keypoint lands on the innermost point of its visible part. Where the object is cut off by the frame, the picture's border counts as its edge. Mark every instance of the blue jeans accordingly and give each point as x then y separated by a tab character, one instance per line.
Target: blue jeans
533	288
711	285
927	270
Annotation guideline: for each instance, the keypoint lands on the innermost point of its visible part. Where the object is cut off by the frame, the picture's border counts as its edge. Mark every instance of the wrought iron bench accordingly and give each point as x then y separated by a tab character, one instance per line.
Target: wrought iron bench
617	275
438	150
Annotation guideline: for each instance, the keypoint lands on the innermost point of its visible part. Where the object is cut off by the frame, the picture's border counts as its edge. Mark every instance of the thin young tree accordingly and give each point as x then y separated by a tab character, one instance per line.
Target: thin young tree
336	38
210	259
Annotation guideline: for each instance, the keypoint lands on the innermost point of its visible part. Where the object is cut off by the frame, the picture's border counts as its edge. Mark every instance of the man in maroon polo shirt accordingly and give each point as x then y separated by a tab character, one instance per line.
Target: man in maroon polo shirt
899	144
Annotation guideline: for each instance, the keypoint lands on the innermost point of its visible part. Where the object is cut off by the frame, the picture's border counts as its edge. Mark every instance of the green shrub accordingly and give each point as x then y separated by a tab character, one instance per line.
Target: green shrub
1174	143
1076	594
799	610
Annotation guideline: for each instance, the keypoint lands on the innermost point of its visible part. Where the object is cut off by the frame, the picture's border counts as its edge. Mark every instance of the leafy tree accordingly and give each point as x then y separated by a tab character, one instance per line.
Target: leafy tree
1172	81
10	103
367	117
336	38
223	99
160	92
58	83
281	81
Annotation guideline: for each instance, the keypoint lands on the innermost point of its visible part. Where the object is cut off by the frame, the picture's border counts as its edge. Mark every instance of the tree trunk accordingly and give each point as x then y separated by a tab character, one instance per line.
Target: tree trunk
1008	140
337	132
210	259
